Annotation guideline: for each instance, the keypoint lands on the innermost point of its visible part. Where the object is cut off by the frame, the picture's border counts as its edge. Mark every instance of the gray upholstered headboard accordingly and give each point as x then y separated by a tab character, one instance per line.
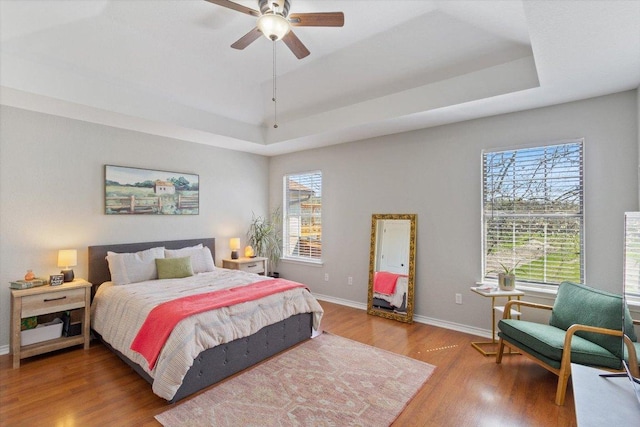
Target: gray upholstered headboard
99	269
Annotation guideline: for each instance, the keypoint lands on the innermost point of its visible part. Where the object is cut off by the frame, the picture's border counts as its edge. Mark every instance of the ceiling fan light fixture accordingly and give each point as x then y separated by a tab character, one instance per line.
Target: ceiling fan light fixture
273	26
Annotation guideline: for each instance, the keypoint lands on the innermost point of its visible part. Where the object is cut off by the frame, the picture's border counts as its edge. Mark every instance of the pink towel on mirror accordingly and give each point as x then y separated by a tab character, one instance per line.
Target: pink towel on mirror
385	282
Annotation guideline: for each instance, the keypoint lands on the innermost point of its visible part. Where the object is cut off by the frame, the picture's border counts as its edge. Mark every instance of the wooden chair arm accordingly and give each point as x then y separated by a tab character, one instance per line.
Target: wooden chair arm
577	327
507	307
566	349
633	357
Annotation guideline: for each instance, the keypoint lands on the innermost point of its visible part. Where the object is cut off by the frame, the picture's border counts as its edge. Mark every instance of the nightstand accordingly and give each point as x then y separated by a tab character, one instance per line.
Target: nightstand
252	265
46	300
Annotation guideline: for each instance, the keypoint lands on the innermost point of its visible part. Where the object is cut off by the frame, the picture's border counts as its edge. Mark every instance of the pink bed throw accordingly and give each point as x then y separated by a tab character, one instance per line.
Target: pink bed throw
163	318
385	282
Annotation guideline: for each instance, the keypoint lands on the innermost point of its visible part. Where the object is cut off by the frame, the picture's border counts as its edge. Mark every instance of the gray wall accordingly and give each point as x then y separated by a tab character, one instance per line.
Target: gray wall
52	190
436	174
51	196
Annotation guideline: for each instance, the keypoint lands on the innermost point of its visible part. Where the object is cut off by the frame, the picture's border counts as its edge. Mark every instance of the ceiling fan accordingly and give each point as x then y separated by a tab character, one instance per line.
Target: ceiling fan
275	22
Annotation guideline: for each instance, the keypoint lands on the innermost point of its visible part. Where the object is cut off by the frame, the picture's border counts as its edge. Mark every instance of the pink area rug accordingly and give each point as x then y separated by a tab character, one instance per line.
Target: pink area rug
326	381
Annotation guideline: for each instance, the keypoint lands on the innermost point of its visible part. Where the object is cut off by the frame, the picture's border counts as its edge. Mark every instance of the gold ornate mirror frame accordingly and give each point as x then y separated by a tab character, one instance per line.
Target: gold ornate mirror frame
389	313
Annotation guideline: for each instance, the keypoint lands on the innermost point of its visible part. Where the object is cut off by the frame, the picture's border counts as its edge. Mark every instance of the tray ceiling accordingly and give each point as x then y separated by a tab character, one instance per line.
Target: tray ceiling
166	68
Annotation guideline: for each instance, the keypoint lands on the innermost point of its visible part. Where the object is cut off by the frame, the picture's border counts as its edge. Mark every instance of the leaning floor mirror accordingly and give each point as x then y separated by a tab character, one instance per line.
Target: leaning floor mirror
392	266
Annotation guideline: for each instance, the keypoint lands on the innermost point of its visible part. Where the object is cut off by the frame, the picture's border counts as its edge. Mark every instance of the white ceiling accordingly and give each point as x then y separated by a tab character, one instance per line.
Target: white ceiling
165	67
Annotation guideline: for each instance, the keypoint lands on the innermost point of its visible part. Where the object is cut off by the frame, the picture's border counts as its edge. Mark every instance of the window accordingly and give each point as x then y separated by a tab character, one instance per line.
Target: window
533	217
632	254
303	216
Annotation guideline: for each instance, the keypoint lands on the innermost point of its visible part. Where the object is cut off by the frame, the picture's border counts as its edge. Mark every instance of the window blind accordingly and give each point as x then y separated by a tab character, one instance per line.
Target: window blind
303	216
533	216
632	254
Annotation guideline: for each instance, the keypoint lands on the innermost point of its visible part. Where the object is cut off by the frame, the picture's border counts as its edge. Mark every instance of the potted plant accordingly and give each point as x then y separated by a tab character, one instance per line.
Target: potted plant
265	237
507	278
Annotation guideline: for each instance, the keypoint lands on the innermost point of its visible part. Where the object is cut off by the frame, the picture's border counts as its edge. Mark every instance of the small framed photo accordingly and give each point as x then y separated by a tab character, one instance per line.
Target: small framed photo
56	279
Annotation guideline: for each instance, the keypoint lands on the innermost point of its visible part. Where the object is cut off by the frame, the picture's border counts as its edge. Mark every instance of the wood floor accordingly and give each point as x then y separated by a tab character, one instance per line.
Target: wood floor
75	387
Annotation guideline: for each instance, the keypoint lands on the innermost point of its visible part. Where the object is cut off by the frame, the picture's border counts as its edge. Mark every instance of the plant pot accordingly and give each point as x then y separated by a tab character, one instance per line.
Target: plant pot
507	282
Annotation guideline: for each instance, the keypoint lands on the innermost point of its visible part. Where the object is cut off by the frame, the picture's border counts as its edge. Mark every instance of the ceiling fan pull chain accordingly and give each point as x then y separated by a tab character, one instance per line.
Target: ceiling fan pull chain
274	99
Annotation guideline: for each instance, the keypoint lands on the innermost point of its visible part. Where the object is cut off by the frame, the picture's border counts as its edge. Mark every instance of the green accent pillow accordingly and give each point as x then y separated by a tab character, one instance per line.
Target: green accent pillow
174	268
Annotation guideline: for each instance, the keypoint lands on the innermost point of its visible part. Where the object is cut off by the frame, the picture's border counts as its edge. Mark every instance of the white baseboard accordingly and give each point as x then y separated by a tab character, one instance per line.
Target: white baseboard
4	349
341	301
472	330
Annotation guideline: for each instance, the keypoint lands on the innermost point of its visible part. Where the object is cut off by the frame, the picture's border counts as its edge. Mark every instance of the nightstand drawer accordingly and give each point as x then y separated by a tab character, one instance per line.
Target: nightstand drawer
257	265
50	302
253	267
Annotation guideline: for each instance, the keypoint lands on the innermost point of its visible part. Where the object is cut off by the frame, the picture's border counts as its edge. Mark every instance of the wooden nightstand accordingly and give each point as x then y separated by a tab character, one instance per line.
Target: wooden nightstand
252	265
46	300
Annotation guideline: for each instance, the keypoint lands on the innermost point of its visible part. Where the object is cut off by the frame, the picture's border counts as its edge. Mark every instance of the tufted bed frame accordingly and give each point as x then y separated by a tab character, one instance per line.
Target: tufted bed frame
214	364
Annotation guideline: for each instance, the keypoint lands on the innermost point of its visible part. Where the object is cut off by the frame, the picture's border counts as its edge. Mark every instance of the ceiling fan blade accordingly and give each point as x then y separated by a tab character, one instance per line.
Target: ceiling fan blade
293	42
321	19
247	39
235	6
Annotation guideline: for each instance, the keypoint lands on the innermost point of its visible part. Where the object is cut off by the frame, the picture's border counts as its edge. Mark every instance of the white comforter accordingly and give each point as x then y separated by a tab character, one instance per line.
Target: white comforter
118	312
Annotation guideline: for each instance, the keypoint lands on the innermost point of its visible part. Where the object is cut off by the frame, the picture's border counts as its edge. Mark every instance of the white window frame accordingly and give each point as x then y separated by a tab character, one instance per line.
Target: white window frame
291	239
632	257
488	274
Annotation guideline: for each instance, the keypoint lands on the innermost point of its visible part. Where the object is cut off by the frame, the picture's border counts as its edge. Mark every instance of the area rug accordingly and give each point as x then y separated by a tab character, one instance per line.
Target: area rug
325	381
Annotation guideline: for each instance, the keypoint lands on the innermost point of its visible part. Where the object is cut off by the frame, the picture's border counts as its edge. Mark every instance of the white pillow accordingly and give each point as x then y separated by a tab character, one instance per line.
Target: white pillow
198	246
128	268
201	258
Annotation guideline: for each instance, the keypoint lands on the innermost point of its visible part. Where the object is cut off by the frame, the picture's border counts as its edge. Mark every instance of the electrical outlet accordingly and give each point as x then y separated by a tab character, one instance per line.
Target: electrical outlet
326	277
350	281
458	298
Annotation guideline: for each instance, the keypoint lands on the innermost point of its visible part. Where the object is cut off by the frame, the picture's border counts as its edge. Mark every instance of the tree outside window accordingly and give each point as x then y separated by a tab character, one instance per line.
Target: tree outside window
533	213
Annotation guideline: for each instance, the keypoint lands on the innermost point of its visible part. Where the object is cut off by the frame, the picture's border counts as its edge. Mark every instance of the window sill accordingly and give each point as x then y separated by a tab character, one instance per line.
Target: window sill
633	303
550	292
312	263
539	291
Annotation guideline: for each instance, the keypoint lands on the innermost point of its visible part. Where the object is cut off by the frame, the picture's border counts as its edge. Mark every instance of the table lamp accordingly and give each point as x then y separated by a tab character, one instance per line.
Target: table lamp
67	258
234	244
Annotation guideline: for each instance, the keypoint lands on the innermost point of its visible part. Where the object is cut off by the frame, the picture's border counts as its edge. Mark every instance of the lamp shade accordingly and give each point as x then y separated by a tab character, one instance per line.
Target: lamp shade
273	26
67	258
234	243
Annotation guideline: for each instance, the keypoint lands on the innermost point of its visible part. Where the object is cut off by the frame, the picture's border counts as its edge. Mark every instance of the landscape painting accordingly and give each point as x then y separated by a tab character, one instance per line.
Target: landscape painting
130	191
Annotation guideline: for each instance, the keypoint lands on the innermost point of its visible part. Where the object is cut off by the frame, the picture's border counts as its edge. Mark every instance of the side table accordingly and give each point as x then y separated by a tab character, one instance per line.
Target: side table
494	293
256	265
45	300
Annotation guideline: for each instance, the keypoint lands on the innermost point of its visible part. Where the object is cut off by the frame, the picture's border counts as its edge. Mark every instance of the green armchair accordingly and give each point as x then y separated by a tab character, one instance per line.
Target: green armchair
584	328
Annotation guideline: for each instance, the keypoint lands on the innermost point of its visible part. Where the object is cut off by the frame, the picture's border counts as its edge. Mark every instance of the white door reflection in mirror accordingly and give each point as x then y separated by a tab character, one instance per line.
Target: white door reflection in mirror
393	246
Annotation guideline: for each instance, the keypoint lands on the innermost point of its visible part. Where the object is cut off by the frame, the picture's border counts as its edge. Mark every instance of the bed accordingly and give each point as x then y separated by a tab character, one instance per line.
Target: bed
205	347
394	298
